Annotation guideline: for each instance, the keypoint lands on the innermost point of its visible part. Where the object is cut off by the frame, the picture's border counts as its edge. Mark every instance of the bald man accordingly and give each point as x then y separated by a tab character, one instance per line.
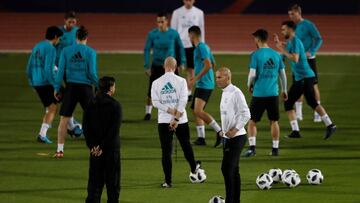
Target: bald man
169	95
234	116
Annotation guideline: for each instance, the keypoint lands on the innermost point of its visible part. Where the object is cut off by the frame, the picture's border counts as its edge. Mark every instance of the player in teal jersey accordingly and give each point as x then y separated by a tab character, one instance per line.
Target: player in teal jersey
69	37
304	79
40	72
204	82
78	63
163	41
310	36
265	67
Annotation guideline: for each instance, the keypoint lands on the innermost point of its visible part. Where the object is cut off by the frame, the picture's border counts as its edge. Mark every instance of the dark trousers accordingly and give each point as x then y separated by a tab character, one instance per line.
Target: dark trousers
166	139
104	170
230	167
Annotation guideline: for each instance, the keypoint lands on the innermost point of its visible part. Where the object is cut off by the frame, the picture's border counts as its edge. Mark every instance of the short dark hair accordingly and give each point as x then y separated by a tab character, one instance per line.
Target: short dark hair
295	7
289	24
195	30
82	33
70	14
162	14
261	34
105	83
52	32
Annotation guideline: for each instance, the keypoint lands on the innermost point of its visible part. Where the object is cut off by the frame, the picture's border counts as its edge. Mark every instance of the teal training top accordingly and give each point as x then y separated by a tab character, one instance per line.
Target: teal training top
301	69
68	39
40	67
309	35
78	63
267	64
163	45
202	51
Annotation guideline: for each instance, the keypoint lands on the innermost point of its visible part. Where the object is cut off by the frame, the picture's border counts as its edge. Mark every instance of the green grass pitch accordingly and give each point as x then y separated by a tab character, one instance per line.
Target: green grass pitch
28	177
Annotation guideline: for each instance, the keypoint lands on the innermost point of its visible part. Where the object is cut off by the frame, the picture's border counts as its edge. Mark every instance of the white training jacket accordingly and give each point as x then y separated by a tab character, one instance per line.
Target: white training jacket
234	110
182	19
170	91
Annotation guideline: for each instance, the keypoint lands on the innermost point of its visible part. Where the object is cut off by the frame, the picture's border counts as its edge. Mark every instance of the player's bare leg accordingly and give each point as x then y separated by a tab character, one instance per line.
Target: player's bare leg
294	124
46	124
200	114
298	108
275	134
61	136
317	117
252	132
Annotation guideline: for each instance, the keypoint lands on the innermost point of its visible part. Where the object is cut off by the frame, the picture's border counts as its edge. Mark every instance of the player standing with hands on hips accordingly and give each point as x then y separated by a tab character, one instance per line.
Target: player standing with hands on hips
234	116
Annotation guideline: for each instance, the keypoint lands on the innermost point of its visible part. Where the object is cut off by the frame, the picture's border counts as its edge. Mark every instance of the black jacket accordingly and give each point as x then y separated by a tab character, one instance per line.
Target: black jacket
101	123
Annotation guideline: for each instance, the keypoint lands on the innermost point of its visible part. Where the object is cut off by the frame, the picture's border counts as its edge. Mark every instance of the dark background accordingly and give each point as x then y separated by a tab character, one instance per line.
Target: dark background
344	7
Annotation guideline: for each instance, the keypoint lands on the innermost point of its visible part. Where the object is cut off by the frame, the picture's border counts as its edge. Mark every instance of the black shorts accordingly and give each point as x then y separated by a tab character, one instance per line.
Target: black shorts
312	64
203	94
304	86
156	72
260	104
189	53
46	94
73	94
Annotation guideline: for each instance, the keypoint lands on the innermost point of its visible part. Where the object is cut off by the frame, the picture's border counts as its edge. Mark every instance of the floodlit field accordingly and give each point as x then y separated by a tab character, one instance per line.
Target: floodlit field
29	174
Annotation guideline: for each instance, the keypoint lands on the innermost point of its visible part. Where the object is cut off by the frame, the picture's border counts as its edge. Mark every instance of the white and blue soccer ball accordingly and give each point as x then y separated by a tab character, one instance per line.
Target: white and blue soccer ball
264	181
198	177
287	171
217	199
291	179
275	174
315	177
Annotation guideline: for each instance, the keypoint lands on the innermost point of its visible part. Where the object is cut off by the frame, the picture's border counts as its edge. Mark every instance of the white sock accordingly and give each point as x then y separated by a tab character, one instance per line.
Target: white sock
189	92
252	141
294	125
44	129
148	109
215	126
70	124
316	113
275	143
200	129
60	148
326	119
298	109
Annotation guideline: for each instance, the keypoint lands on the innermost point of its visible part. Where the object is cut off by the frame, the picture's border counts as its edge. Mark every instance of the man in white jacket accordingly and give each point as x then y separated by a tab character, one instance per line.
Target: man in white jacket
182	19
169	96
234	116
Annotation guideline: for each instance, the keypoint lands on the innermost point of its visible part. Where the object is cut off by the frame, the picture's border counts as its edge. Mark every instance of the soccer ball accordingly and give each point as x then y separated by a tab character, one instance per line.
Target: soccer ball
291	179
264	181
198	177
217	199
315	177
287	171
275	173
